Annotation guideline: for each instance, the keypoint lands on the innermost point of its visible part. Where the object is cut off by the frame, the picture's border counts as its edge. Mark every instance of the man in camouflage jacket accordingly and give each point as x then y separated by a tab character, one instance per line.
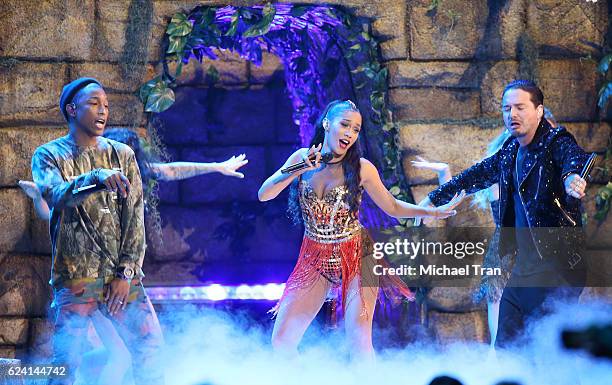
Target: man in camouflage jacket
98	237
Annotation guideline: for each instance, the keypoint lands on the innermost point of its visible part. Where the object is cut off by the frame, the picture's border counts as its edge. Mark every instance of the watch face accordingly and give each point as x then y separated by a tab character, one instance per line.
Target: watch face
128	272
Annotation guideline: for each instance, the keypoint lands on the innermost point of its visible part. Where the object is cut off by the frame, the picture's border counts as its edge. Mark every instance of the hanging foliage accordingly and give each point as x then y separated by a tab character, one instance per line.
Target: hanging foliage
313	42
604	194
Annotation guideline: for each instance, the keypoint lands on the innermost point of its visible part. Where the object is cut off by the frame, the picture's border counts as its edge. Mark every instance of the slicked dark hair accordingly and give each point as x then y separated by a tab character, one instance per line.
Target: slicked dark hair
536	95
351	163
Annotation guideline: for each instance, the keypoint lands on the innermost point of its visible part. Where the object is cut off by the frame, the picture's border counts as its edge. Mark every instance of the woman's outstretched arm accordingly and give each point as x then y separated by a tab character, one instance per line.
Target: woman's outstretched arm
440	168
40	205
185	170
370	180
278	181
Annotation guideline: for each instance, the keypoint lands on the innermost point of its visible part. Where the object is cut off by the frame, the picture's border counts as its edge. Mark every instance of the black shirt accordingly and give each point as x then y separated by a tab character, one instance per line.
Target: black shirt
528	260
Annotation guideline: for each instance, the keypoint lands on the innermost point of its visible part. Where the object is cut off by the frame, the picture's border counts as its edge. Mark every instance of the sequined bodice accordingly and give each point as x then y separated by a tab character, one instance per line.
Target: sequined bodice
328	219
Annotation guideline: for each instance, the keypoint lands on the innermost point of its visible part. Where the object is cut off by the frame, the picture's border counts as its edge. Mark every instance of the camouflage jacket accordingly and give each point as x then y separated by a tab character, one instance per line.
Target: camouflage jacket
93	235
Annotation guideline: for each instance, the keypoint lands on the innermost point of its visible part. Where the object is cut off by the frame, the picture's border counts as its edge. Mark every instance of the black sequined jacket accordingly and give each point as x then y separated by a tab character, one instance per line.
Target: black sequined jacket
553	156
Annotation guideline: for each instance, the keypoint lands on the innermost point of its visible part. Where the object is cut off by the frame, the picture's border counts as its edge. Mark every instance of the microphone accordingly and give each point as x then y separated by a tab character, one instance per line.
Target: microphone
302	165
584	174
91	188
588	166
88	189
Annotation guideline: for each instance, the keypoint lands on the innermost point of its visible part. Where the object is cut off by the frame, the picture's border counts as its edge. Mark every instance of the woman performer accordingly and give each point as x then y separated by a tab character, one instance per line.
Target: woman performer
150	168
327	197
109	361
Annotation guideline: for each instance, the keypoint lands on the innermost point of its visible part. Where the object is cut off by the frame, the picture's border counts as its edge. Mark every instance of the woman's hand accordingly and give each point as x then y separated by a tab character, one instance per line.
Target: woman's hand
442	169
427	165
306	155
230	166
448	209
30	189
424	203
278	181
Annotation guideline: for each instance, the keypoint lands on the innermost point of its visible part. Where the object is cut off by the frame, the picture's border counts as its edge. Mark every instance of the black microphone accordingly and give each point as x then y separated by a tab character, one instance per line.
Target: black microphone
584	174
88	189
302	165
588	166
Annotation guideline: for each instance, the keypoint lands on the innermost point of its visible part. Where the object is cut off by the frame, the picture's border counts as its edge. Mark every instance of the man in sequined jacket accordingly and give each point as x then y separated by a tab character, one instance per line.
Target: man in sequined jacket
537	170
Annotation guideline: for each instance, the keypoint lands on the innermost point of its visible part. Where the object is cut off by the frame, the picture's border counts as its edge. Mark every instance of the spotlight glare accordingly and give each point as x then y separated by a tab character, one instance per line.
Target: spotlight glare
243	292
216	292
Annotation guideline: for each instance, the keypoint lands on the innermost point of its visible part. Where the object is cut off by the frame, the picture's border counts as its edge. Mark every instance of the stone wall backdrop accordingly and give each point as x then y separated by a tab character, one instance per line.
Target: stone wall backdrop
447	67
214	227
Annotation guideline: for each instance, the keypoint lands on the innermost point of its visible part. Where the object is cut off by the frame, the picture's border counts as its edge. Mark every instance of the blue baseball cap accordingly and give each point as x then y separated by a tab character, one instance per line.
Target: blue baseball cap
70	90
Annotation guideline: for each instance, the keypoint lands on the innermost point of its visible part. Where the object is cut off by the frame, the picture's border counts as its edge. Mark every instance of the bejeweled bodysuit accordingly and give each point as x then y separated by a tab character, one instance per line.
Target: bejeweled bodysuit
334	242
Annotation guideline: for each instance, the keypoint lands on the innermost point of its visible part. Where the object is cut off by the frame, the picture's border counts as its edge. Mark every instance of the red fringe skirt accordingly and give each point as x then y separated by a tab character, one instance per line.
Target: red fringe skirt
340	262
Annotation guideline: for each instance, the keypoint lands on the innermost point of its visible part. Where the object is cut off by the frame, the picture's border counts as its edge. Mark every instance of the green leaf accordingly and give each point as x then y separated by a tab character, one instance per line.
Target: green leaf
347	20
434	4
604	94
377	100
603	207
179	69
353	37
209	18
300	10
388	127
389	114
212	74
604	64
369	72
179	25
269	11
263	26
395	190
160	98
171	57
233	24
177	43
382	75
358	69
145	89
355	47
604	193
246	13
330	13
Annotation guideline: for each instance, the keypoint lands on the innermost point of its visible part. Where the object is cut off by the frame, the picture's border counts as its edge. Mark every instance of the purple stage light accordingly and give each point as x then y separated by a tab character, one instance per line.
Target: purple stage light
215	292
